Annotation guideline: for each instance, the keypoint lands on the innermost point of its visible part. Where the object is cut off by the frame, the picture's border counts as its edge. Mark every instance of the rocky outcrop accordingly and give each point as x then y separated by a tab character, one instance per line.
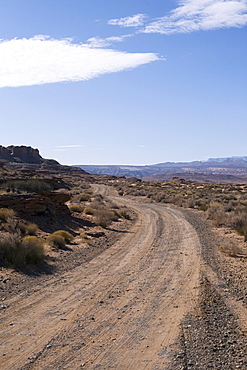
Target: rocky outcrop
26	158
24	154
49	203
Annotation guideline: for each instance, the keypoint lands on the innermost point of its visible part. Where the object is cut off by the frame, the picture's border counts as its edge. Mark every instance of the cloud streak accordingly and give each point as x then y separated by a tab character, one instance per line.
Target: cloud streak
196	15
98	42
41	59
133	21
190	16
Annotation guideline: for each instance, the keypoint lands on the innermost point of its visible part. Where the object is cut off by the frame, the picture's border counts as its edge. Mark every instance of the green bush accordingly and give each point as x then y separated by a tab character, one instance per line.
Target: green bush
18	252
6	213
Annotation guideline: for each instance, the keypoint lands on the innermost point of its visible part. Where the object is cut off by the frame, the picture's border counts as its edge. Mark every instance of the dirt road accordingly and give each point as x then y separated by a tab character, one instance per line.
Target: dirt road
122	310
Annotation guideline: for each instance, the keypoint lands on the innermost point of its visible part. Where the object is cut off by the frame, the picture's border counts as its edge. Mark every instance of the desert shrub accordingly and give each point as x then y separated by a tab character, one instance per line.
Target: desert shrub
28	186
125	215
65	234
190	203
31	229
85	196
22	227
18	253
217	215
34	249
110	204
56	241
97	203
238	220
27	229
215	204
203	207
6	213
104	218
243	231
89	211
76	208
59	238
178	200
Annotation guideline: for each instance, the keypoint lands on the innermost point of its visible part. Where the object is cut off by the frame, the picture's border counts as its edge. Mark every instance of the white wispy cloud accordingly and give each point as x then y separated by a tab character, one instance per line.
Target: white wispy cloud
41	60
98	42
195	15
133	21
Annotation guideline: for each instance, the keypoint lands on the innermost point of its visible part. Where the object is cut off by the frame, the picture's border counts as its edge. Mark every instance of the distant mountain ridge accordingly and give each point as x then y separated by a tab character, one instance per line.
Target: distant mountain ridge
213	167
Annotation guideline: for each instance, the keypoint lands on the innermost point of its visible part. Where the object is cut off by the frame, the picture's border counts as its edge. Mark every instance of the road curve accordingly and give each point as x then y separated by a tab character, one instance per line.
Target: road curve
122	310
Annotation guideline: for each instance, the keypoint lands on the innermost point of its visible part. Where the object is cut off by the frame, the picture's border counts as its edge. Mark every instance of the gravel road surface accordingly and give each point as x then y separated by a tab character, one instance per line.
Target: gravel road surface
158	298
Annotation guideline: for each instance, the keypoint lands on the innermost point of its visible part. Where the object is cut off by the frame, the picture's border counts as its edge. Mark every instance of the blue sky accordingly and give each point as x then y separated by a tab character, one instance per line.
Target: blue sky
124	82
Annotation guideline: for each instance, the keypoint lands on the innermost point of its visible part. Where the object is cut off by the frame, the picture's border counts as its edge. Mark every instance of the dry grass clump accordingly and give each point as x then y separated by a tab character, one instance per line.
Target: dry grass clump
104	217
85	196
18	252
56	241
217	215
60	238
28	229
80	196
65	234
98	202
76	208
35	248
6	213
89	211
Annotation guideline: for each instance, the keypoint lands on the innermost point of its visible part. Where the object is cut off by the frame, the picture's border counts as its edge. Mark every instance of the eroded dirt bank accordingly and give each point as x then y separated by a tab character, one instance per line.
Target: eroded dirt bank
137	305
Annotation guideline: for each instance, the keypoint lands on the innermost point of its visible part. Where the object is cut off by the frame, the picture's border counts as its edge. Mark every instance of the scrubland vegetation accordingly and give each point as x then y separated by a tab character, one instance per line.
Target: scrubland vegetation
223	204
20	186
102	212
24	244
18	252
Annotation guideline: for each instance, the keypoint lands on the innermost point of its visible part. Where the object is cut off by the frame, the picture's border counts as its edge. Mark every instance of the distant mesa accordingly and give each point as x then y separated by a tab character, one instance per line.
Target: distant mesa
231	169
27	158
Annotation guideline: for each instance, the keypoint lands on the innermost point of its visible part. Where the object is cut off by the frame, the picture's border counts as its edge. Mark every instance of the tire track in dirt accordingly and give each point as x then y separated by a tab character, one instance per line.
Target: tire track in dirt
121	310
213	335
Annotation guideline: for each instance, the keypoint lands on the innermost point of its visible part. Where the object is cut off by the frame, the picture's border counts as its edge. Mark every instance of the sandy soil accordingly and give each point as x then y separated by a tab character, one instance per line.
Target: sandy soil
125	308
